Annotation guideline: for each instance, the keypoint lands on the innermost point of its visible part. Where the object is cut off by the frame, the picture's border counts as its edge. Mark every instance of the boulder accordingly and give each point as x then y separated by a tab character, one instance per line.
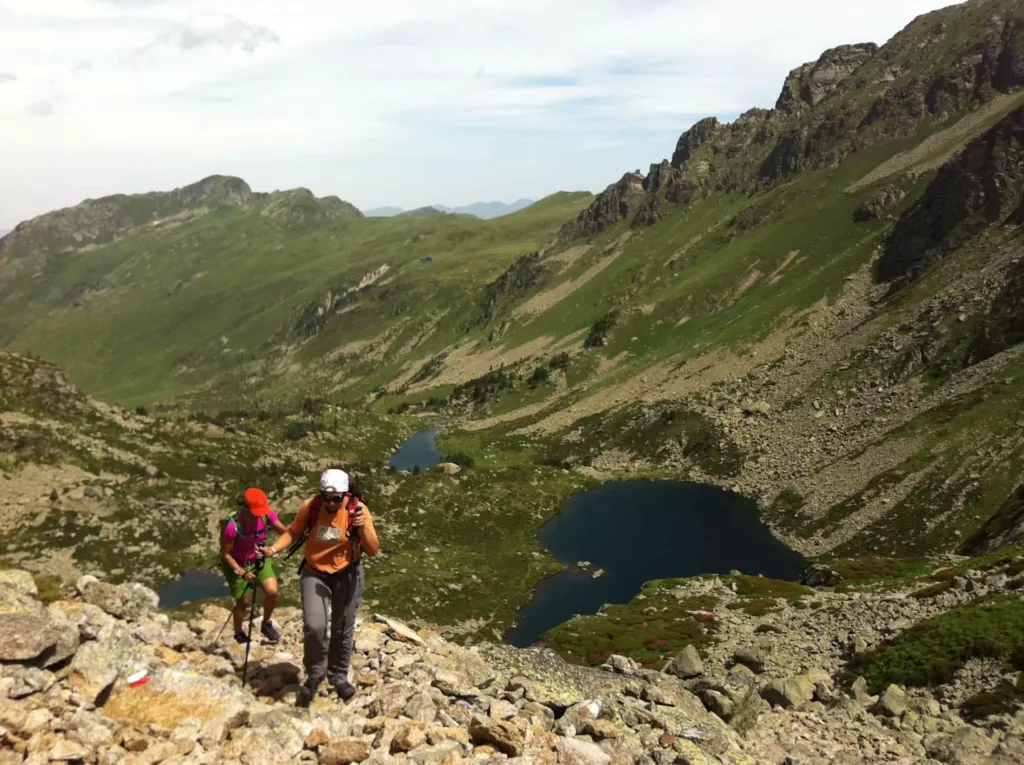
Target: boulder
436	753
503	736
421	707
789	693
26	681
132	602
411	736
449	468
718	703
752	658
966	745
99	663
572	751
345	751
20	582
398	631
892	702
686	664
66	751
26	631
820	575
454	683
860	692
174	697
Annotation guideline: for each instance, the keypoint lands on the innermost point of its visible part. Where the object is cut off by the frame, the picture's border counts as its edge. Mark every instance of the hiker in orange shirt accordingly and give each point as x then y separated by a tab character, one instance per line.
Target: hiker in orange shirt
340	530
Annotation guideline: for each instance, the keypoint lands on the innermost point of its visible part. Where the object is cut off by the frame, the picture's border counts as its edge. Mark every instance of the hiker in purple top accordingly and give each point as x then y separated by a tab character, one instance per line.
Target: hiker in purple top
243	531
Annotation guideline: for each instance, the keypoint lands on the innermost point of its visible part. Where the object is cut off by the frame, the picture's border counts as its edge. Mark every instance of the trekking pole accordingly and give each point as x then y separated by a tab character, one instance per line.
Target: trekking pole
252	616
230	614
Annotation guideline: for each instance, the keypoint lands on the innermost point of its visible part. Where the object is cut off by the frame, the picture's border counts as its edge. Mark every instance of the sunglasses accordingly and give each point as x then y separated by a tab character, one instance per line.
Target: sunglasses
332	498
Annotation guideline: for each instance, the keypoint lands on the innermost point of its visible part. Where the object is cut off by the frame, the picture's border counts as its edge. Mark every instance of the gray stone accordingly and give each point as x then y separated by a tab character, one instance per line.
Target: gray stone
399	631
752	658
20	582
503	736
132	602
421	707
572	751
432	755
718	703
820	575
65	751
26	631
345	751
686	664
892	703
26	681
789	693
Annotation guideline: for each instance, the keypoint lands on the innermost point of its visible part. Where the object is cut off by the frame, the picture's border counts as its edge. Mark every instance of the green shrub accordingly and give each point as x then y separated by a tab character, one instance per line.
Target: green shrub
933	590
931	651
559	361
461	459
540	376
296	431
599	331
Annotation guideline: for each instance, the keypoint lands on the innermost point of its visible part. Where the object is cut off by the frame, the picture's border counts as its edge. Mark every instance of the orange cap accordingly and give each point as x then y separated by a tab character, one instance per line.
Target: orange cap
257	502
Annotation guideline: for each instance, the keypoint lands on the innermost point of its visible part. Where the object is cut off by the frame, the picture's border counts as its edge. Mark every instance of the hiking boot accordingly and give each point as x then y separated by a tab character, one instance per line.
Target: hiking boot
241	637
270	632
308	692
344	689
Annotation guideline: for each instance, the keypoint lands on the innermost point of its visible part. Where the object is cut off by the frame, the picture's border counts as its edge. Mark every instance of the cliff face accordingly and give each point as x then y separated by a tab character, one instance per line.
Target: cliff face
981	187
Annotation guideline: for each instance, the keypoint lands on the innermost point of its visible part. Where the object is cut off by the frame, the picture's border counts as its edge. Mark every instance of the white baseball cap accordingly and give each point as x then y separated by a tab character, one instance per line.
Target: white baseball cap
334	480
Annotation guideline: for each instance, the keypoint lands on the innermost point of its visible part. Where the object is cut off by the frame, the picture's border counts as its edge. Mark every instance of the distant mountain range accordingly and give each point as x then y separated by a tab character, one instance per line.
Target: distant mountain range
485	210
4	232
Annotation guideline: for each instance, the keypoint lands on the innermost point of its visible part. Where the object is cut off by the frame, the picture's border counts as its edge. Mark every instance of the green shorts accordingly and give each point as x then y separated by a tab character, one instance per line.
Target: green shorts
237	583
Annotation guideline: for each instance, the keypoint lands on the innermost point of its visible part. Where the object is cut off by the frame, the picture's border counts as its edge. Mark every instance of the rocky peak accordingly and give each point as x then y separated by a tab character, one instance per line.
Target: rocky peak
698	135
99	221
617	202
301	206
812	83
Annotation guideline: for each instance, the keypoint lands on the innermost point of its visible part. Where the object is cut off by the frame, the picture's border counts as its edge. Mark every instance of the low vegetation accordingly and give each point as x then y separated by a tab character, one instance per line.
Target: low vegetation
930	652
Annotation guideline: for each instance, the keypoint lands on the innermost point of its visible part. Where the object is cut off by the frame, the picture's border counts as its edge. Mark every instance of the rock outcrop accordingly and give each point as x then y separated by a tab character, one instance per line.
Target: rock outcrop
813	82
981	187
1003	327
618	202
698	135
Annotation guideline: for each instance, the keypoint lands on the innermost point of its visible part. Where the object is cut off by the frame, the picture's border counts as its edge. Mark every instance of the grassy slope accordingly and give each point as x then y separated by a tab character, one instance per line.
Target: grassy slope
166	311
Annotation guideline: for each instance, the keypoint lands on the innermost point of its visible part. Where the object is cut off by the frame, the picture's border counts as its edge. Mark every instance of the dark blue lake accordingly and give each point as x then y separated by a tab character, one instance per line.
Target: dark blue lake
419	451
195	584
641	530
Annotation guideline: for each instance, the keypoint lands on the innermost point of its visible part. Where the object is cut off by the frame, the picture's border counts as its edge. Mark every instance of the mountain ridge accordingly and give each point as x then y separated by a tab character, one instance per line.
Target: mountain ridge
483	210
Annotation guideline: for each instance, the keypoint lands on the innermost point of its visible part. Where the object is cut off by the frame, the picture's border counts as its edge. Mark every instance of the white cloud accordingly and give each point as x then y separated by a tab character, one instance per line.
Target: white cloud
372	100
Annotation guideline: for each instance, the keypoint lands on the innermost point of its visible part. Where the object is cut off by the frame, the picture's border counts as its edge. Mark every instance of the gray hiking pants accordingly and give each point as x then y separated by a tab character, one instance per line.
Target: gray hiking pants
329	606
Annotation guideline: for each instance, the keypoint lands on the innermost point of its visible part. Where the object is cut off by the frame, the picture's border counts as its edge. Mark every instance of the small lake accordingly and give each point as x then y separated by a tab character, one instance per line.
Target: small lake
419	451
195	584
641	530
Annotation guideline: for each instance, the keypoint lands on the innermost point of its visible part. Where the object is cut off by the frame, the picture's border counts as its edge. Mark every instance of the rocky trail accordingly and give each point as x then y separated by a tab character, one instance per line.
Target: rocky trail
70	692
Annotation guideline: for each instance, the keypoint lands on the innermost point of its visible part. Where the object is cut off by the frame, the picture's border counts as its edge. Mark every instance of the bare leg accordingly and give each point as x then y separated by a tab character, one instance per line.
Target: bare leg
270	597
238	615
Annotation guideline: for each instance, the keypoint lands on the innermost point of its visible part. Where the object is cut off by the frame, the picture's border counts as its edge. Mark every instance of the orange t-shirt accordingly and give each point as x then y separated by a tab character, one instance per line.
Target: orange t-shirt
328	548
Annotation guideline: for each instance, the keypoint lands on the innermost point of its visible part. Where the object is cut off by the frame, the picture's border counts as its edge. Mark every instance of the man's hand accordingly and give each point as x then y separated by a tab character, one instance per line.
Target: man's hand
358	518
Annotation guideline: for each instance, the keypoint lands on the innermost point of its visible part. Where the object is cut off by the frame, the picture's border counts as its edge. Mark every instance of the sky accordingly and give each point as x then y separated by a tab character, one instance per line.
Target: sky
392	102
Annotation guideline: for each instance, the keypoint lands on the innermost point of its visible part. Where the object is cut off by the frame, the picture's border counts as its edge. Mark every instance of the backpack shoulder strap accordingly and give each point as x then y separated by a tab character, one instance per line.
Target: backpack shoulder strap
314	511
